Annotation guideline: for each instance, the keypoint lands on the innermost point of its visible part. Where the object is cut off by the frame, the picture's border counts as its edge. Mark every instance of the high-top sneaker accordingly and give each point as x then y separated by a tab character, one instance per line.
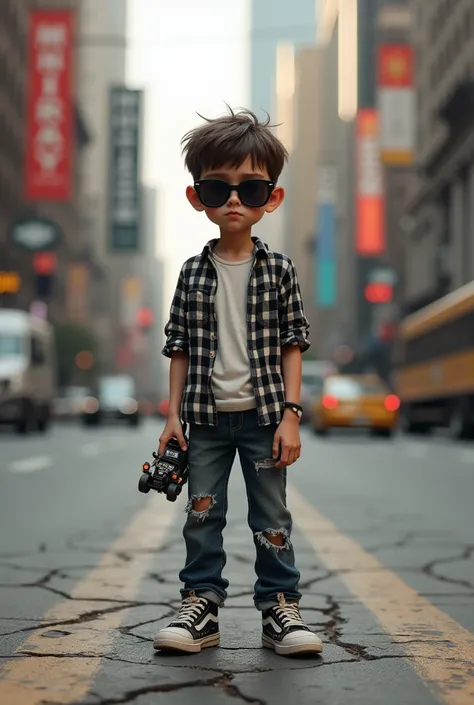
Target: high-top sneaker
286	633
195	627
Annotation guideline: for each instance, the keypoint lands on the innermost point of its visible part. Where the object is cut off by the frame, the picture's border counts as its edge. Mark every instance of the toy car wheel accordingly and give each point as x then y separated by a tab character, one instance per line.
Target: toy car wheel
173	492
143	485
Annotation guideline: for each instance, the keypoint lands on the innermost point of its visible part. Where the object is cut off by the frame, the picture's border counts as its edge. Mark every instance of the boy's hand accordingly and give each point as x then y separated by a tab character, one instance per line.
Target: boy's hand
287	440
172	429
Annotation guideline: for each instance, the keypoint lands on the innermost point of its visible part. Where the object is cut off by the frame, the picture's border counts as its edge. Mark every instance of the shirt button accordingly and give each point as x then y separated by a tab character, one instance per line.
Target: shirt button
212	353
213	336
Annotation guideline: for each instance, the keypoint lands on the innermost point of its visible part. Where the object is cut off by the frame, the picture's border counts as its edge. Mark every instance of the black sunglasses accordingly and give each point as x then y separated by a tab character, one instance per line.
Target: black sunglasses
214	193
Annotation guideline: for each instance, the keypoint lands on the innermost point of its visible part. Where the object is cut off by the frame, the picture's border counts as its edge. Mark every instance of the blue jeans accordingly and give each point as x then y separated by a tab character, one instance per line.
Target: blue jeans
212	451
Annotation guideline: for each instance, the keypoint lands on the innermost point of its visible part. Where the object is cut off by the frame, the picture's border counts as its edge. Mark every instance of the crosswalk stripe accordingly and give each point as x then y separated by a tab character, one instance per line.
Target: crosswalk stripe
64	680
447	669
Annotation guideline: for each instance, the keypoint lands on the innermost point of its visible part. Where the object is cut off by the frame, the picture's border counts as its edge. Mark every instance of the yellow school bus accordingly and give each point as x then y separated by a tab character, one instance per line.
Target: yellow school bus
434	365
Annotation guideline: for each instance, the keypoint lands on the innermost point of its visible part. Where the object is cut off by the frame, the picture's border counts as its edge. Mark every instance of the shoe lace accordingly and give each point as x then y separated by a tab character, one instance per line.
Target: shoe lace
191	608
289	614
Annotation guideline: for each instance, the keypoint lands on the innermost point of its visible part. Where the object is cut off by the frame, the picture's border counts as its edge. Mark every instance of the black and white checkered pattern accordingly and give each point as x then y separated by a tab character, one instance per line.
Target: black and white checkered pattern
275	317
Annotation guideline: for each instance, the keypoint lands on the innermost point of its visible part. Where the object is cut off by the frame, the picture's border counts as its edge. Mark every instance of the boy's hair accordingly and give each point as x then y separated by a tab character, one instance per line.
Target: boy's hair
230	140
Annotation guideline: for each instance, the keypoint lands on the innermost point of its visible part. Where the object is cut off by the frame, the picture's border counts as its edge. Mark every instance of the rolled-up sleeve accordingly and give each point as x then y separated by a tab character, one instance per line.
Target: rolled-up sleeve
176	330
294	326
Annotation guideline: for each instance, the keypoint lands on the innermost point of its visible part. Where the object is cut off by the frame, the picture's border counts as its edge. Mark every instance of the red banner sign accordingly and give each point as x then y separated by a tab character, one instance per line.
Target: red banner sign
49	138
396	66
370	225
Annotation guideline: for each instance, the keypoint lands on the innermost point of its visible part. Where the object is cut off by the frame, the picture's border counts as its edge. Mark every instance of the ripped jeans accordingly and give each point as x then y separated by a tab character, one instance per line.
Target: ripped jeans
212	451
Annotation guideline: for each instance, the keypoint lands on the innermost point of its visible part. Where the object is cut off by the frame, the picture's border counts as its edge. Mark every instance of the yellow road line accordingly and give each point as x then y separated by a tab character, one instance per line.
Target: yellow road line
447	669
67	679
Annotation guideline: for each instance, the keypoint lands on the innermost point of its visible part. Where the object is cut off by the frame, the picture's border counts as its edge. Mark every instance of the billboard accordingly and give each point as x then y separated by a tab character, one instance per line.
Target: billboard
326	249
396	103
370	217
49	153
124	202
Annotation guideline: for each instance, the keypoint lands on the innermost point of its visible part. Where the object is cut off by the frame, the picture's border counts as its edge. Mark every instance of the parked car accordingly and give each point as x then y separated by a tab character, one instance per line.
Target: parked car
115	401
69	403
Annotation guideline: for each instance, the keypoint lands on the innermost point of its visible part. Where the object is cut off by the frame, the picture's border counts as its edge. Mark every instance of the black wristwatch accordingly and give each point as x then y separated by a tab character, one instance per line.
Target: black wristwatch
295	408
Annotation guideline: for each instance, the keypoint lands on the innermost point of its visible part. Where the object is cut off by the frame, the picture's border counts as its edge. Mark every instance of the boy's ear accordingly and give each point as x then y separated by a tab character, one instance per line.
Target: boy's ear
192	197
276	199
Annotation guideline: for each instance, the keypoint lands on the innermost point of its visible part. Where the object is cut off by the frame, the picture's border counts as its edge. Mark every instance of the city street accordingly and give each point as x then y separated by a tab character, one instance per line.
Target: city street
384	536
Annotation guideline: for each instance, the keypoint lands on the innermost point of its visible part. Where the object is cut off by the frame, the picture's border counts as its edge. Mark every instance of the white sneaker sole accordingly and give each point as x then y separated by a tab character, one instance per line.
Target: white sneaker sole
293	649
174	643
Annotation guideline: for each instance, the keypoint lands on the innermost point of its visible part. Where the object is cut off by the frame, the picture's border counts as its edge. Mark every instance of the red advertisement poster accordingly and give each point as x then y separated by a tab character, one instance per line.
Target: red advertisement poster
395	65
49	122
370	225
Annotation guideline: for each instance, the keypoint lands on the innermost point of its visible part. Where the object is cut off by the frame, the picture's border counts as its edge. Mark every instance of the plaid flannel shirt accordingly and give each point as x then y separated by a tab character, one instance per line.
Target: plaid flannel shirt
275	318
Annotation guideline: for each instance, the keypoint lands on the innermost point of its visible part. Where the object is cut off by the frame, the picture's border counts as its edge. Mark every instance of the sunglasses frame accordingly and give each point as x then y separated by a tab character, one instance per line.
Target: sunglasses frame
235	187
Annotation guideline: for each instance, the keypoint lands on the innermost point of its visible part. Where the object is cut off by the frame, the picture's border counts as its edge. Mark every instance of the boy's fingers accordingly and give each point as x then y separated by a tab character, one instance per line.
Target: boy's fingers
181	441
283	462
276	447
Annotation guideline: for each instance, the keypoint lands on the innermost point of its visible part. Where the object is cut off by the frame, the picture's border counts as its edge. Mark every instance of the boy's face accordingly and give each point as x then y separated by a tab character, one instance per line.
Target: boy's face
234	215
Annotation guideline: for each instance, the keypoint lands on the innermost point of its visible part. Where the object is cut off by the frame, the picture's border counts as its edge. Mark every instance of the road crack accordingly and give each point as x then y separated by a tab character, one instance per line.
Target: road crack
465	555
222	682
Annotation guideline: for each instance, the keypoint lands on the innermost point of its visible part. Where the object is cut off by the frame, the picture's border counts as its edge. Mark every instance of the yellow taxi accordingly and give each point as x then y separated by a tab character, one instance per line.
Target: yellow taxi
355	401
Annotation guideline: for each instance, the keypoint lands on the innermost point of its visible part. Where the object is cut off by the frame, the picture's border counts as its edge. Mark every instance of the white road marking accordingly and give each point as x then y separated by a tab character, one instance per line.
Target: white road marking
415	451
28	465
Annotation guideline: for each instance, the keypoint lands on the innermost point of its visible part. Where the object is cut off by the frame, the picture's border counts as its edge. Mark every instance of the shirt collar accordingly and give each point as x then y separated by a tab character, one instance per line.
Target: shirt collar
260	247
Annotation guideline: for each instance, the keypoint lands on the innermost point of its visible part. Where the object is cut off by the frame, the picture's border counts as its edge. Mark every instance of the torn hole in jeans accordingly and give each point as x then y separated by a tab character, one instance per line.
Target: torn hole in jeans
200	515
266	464
262	538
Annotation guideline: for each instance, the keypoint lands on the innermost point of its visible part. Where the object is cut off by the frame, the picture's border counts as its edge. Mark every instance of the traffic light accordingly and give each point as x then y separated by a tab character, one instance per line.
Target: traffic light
43	286
378	292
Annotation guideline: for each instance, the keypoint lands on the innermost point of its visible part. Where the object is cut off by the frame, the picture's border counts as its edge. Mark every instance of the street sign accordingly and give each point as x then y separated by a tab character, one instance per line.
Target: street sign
35	234
124	202
10	283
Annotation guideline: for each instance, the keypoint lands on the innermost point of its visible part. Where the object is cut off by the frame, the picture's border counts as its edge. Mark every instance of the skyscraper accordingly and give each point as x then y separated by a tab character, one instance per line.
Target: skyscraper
272	23
101	64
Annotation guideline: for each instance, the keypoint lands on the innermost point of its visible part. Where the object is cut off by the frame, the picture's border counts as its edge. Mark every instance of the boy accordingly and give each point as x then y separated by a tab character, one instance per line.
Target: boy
235	337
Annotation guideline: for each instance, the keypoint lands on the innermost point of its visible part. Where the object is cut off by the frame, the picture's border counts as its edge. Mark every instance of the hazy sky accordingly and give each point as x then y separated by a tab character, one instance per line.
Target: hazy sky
189	57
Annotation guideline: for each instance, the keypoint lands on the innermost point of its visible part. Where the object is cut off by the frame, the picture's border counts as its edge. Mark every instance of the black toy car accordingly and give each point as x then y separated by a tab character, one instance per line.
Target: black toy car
167	473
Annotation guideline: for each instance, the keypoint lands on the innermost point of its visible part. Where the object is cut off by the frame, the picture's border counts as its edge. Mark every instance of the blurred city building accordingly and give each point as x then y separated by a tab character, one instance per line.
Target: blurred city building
351	171
277	28
142	306
440	213
26	274
101	59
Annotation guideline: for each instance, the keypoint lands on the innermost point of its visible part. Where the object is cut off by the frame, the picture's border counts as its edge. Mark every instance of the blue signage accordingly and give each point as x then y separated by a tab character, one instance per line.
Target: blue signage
326	256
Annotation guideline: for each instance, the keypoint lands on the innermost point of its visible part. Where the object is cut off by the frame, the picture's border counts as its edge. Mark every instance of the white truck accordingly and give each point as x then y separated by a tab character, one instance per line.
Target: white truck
27	371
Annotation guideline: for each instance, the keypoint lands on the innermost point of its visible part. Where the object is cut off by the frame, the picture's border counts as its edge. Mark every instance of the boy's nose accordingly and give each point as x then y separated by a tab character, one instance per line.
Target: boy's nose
234	198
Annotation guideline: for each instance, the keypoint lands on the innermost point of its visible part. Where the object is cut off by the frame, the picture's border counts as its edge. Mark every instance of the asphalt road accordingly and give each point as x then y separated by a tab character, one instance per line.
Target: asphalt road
384	536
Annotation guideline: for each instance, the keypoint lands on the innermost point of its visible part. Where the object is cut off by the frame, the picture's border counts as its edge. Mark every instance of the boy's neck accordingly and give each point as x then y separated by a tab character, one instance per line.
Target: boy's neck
235	245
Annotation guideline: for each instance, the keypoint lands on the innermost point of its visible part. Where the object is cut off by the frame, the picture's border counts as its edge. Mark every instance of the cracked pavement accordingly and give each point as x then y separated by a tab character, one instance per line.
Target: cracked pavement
79	605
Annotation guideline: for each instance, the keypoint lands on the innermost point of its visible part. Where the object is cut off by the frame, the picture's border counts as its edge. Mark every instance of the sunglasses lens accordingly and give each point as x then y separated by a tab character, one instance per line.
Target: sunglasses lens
213	193
254	193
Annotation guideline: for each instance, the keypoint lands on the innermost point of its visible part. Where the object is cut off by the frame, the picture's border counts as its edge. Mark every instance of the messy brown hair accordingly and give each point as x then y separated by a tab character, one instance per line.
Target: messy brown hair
231	139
